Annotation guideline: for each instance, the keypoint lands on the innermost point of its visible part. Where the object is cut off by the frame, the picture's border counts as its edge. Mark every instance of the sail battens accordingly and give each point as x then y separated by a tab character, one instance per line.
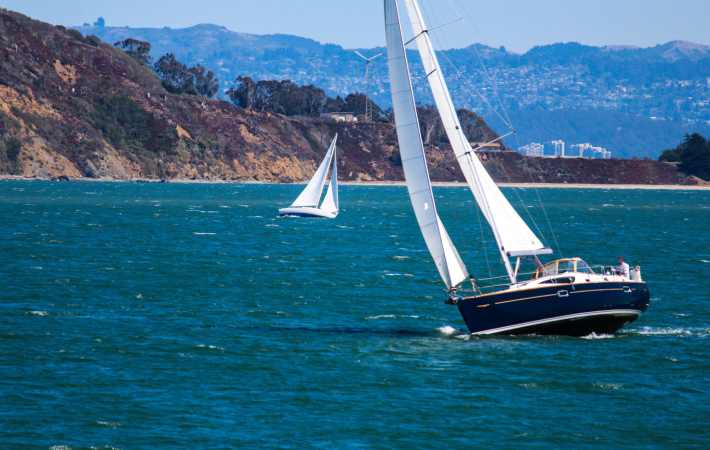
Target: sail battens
443	252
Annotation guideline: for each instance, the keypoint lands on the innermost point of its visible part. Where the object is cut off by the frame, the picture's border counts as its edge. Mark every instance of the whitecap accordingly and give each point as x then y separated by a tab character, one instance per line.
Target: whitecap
211	347
598	336
448	330
384	316
205	233
36	267
39	313
608	385
702	260
111	424
401	257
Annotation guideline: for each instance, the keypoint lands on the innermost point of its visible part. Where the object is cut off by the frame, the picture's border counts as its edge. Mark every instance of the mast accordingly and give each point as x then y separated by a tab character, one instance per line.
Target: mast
513	236
446	258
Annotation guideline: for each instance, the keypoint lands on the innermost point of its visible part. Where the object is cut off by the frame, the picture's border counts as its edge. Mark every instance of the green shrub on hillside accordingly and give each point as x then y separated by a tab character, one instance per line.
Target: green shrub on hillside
13	147
121	120
693	154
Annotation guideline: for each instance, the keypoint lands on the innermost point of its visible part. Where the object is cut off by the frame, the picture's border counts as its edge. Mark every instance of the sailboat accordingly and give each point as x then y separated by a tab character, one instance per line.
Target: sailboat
565	296
306	205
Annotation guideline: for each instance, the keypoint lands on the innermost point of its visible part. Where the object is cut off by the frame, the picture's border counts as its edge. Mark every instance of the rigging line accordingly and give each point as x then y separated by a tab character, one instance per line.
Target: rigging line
508	123
460	74
527	210
485	68
542	205
609	230
480	147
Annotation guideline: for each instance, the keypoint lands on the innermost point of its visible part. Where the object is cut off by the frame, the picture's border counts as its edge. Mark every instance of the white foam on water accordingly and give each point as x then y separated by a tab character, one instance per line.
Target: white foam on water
608	385
702	260
668	331
244	206
205	233
39	313
222	206
598	336
110	424
272	225
448	330
139	296
384	316
211	347
36	267
60	447
401	257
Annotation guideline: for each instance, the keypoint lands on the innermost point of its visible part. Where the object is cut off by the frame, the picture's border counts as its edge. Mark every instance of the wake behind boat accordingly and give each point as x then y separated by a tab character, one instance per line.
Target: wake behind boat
306	205
562	297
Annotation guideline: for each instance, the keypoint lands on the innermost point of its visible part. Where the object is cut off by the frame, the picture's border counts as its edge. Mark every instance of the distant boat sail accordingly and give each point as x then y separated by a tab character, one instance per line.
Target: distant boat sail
568	297
306	205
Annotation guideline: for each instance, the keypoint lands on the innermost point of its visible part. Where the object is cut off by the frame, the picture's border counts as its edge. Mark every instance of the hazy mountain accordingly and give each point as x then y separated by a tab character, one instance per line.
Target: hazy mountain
668	82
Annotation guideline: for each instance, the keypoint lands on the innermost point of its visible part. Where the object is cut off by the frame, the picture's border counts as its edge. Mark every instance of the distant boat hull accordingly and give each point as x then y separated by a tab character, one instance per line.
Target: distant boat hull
561	309
307	212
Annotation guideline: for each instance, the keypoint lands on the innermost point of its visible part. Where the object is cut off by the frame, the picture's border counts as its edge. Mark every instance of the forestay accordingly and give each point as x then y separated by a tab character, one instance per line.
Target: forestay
311	194
330	203
513	235
411	149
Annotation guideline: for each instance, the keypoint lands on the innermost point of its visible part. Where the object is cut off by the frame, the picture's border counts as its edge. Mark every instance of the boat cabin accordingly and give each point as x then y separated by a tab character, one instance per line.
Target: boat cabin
561	266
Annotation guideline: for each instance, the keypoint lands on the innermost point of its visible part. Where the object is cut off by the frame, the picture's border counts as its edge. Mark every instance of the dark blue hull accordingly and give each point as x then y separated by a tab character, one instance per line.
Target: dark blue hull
562	309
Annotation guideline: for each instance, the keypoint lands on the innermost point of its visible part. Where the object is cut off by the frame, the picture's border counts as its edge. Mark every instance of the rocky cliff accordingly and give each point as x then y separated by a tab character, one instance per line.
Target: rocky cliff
73	106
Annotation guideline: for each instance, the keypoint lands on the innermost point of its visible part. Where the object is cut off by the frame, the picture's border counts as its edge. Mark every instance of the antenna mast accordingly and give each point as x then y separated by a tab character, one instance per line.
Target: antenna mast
368	101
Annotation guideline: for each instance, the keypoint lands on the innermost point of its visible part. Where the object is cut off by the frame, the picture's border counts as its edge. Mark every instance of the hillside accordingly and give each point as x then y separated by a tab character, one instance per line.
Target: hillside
76	107
667	81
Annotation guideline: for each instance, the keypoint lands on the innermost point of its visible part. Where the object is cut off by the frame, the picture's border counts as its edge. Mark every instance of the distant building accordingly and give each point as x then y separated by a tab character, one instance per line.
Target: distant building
589	151
558	148
532	149
339	116
479	145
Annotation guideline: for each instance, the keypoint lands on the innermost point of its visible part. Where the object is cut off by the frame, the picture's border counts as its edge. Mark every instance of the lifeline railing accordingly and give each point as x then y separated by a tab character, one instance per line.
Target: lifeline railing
480	286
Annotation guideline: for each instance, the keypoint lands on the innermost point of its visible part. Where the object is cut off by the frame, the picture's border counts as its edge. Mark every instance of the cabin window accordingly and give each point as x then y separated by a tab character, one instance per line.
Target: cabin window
559	280
565	266
583	267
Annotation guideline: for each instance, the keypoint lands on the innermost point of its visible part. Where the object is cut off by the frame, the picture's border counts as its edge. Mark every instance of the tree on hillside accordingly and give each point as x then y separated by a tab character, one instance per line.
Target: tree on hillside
695	159
243	93
100	23
204	81
336	104
693	154
173	73
138	50
474	127
430	123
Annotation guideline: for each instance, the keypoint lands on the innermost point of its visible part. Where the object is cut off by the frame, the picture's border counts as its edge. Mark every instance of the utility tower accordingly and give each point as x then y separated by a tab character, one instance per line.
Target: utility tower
368	101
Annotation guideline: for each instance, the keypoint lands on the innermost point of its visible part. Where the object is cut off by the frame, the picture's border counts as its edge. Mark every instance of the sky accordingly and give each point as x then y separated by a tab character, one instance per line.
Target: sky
516	24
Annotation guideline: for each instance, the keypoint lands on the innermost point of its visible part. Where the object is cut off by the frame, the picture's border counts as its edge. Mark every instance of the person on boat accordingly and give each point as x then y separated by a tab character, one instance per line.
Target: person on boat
623	268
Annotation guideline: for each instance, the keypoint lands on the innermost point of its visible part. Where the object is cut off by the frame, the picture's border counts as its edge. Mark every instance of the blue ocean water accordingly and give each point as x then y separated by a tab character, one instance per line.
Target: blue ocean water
143	316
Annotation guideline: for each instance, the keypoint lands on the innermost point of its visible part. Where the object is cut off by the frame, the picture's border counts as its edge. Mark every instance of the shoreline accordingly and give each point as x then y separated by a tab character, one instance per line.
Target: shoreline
675	187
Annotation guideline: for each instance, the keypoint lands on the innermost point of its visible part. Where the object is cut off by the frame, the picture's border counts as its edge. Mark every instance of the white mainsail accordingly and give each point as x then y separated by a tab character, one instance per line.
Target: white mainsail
331	197
513	235
311	194
445	256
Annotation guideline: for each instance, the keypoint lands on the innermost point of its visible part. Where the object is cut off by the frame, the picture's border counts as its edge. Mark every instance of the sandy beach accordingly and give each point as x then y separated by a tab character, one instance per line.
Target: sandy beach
382	183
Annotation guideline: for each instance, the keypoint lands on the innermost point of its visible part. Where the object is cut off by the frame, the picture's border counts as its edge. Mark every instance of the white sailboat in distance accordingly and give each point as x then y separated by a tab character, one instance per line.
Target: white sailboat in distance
306	205
561	297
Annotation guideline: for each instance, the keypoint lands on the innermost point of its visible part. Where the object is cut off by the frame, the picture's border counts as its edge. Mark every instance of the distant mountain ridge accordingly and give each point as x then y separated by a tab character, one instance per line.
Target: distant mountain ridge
666	82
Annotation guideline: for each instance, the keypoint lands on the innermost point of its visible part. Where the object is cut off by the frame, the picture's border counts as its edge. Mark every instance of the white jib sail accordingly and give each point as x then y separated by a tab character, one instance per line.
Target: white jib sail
331	197
311	194
411	149
512	233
